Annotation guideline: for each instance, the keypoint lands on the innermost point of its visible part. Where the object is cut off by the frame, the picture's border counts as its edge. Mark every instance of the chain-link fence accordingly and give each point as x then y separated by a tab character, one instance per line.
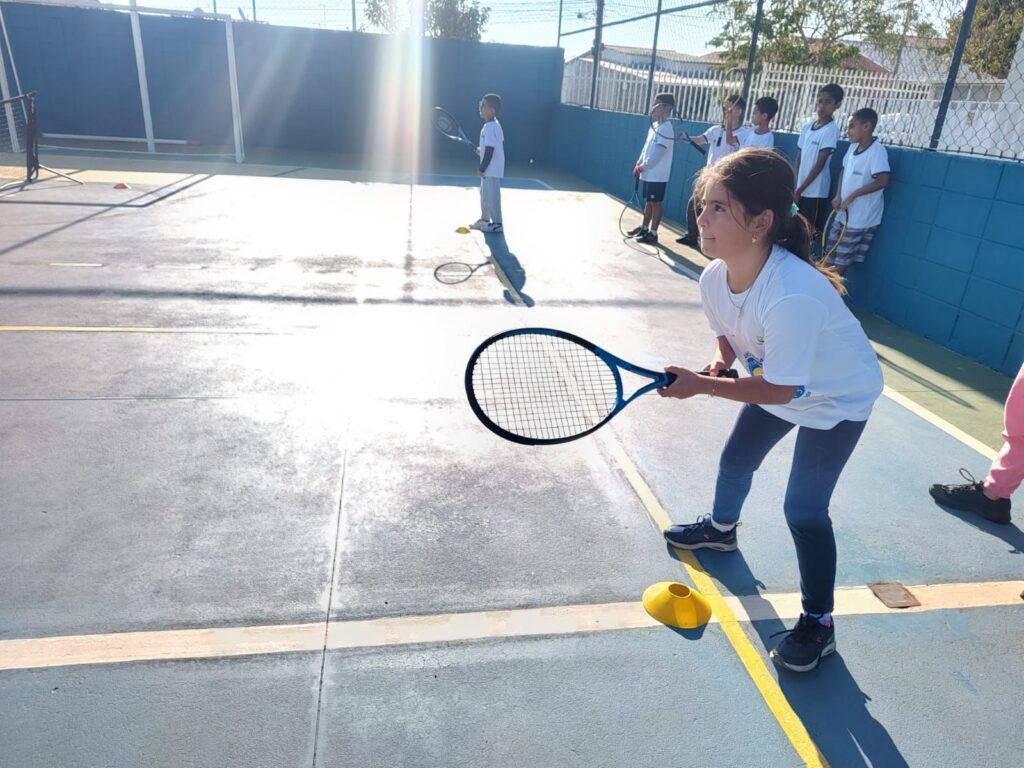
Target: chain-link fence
527	22
941	74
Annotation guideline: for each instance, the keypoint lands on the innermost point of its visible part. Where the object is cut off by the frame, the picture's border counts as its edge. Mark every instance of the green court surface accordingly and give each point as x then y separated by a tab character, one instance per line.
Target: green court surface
251	520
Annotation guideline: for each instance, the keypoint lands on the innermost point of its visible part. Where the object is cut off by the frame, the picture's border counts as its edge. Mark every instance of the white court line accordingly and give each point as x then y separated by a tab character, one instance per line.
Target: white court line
74	264
62	651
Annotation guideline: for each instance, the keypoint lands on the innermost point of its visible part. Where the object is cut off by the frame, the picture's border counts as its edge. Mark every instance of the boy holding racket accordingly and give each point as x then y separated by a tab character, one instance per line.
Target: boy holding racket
859	195
492	165
721	140
818	140
653	168
761	118
781	316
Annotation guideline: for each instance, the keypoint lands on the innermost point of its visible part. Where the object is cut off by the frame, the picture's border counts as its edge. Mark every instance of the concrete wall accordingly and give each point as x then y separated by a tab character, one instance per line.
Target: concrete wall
947	262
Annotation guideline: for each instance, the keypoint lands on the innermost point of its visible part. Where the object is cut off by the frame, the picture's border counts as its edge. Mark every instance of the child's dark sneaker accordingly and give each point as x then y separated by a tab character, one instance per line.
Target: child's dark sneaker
701	535
647	237
636	231
971	498
805	645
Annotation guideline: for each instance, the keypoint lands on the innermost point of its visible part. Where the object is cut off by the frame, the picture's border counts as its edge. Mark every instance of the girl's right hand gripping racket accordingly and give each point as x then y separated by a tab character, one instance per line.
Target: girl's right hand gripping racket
539	386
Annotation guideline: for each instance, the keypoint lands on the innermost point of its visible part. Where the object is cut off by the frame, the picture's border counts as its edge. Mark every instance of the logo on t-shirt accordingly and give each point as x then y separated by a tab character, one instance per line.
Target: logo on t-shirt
755	367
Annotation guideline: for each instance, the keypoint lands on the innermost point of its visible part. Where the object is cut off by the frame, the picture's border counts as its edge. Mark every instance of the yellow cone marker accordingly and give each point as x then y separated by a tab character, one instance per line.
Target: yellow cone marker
463	230
676	605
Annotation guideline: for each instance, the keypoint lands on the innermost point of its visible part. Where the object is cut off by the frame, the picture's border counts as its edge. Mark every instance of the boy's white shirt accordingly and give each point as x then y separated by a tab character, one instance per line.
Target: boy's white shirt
661	170
859	169
810	144
491	135
754	139
793	328
717	149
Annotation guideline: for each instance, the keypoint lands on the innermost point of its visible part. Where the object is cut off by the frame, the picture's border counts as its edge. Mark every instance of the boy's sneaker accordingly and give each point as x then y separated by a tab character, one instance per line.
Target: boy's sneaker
480	224
805	645
693	242
494	226
647	237
636	231
701	535
971	498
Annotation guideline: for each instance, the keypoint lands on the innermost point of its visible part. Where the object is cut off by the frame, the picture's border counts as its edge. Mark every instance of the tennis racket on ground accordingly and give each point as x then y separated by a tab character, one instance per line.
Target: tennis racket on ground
456	272
446	123
538	386
634	200
833	221
673	129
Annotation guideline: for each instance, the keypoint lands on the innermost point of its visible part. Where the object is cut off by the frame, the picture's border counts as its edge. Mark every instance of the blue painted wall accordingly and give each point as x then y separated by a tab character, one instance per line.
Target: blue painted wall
947	262
298	88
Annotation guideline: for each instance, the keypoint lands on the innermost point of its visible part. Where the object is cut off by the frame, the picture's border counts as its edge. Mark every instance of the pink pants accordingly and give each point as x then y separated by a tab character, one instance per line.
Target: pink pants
1007	470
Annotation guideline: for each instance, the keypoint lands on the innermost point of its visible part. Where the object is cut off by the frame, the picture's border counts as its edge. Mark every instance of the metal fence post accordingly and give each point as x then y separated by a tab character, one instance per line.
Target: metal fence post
558	44
654	57
954	70
749	76
596	55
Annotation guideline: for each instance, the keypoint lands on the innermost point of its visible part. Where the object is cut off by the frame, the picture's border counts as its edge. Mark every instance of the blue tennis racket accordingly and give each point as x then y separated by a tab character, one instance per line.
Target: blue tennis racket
539	386
446	123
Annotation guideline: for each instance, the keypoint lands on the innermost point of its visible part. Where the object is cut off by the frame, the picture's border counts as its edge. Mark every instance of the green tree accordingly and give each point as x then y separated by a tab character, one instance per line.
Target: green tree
456	19
994	34
815	32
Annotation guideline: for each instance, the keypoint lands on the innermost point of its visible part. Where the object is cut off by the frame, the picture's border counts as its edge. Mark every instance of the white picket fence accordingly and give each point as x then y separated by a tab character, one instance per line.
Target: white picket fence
978	121
698	90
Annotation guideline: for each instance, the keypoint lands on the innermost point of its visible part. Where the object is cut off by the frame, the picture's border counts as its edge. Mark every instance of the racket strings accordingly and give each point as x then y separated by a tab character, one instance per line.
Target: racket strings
543	387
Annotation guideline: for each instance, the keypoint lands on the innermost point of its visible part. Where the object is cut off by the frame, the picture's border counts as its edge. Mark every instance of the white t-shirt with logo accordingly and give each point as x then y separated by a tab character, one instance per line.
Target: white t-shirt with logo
718	147
793	328
754	139
491	135
860	167
658	147
812	140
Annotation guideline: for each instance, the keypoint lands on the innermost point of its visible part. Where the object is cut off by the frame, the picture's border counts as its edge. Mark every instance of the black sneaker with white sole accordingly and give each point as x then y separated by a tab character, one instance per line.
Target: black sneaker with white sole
647	237
636	231
701	535
805	645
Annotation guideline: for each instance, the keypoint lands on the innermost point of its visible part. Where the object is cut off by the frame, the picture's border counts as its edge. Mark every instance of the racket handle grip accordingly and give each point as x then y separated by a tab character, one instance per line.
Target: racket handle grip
728	373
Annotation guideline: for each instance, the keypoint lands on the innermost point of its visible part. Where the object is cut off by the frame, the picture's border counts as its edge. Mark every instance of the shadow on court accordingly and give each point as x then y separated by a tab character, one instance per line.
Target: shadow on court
1009	533
829	701
509	264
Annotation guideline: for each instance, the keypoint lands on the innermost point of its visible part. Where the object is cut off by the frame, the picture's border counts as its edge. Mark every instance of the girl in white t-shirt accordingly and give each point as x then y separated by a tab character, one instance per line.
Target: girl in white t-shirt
781	317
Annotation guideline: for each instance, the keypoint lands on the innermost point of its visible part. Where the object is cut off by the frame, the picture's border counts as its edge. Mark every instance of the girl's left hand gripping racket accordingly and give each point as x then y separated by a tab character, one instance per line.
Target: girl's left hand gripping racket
446	123
539	386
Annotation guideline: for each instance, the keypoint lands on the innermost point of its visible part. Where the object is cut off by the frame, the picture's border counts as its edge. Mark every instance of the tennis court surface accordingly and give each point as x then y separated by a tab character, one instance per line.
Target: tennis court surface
249	518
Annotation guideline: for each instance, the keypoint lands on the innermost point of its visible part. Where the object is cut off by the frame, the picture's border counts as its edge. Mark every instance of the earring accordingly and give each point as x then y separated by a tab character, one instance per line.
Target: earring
753	239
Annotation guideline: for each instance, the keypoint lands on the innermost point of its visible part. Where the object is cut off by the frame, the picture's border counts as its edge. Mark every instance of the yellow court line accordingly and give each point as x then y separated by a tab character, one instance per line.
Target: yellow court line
552	621
129	329
768	687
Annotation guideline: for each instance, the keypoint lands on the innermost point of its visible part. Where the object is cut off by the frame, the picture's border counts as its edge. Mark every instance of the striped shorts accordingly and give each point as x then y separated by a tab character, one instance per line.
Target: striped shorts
853	247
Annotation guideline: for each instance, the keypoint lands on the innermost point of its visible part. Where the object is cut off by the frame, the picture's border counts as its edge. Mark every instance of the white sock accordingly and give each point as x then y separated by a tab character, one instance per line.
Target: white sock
722	528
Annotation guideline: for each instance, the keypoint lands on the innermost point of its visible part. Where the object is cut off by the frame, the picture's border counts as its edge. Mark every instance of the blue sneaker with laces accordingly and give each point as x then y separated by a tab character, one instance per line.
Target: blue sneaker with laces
804	646
701	535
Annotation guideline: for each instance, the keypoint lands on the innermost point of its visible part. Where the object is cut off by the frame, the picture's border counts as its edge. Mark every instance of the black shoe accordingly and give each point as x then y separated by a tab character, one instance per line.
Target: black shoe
636	231
805	645
687	240
647	237
701	535
971	498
